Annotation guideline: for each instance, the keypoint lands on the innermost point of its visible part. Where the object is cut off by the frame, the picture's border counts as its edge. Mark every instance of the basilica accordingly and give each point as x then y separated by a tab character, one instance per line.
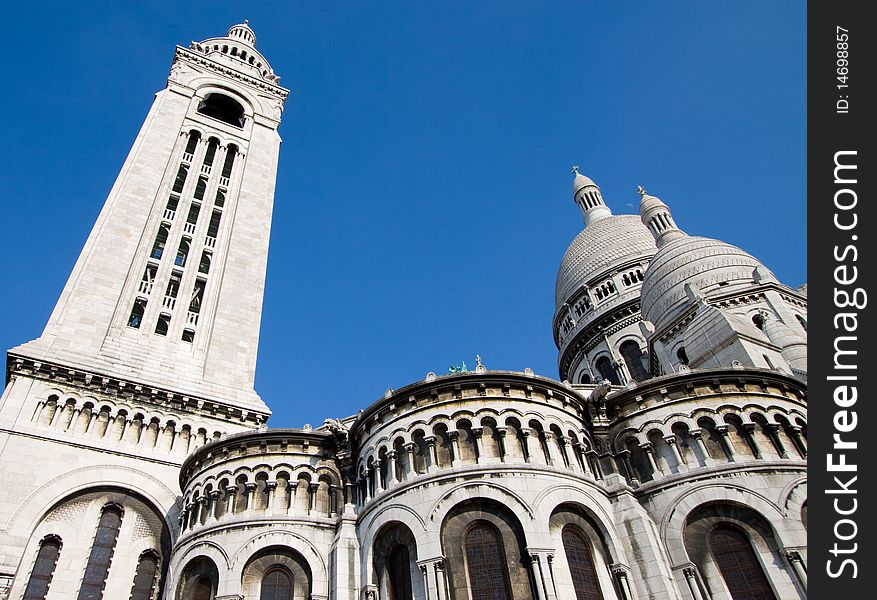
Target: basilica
666	461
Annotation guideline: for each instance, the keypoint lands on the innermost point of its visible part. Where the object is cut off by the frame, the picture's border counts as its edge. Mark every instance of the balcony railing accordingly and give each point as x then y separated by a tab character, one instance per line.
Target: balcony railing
169	302
145	287
210	242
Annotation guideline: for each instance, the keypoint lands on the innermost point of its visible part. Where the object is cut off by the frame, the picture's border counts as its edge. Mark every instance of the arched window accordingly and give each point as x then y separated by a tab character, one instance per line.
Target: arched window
485	563
581	565
276	585
194	136
182	253
101	554
802	321
163	324
137	311
222	107
739	565
229	160
204	265
682	356
43	569
607	371
584	378
160	241
203	589
212	145
633	358
399	574
144	577
180	180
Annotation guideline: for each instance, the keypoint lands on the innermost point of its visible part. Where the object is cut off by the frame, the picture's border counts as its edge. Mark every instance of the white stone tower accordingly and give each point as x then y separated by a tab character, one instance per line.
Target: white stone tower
150	351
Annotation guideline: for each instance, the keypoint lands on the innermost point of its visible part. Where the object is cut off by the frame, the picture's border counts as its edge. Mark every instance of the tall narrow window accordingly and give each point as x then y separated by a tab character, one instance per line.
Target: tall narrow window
200	188
224	108
197	296
194	211
43	569
204	265
633	358
164	323
276	585
137	311
98	565
485	558
172	202
399	574
211	152
144	577
194	136
682	355
581	565
180	180
802	321
220	198
160	241
607	371
229	161
213	227
173	286
739	565
182	253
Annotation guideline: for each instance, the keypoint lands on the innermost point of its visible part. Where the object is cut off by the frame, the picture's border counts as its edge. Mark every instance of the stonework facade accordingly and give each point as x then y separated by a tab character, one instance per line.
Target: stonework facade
668	462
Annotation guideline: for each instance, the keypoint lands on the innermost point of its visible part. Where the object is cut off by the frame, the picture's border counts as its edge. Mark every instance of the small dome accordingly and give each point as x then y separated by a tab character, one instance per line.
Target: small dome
581	181
710	266
602	244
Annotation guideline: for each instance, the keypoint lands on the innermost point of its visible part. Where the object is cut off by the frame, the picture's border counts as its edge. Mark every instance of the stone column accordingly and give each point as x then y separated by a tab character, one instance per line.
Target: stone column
454	436
749	428
774	429
368	484
59	408
553	459
726	439
799	439
693	585
196	512
620	574
176	439
271	488
649	451
37	413
628	466
249	488
570	459
184	517
410	447
479	448
594	462
213	504
441	579
72	422
794	558
379	476
312	496
697	436
433	456
538	576
673	442
391	468
582	462
428	585
528	444
503	451
91	421
230	491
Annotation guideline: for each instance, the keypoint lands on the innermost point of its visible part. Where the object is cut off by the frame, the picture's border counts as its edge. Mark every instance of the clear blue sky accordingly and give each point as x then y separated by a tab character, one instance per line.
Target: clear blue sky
423	200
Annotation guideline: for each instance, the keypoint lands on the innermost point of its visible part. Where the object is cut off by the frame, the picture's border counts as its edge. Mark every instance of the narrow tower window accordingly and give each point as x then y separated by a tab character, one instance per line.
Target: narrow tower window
144	577
213	227
200	188
633	358
204	265
194	137
137	311
222	107
211	153
197	295
220	198
164	322
43	569
682	356
229	162
180	181
607	371
160	241
182	253
102	548
802	321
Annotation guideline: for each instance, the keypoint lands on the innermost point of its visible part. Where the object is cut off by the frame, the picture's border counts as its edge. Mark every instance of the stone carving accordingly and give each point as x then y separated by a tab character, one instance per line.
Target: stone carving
598	396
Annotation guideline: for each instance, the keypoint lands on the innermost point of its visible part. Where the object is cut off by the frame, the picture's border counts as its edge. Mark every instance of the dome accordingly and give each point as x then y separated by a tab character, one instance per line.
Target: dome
580	181
710	266
244	32
601	245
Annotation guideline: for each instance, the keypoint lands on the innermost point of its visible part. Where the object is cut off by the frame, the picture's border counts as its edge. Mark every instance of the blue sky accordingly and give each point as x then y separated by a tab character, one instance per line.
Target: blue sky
423	200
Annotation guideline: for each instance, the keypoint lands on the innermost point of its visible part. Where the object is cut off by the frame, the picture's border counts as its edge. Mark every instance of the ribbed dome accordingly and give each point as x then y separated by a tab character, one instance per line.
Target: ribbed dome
711	266
602	244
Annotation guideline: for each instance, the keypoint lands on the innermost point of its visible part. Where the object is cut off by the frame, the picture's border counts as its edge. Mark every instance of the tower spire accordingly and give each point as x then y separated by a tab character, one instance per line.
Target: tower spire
657	217
587	195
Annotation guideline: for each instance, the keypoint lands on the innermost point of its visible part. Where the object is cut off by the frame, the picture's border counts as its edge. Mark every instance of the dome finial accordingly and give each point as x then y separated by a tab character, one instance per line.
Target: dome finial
575	169
656	216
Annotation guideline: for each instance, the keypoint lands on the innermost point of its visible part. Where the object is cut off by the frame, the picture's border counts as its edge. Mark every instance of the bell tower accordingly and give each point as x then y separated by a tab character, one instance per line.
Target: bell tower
168	288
